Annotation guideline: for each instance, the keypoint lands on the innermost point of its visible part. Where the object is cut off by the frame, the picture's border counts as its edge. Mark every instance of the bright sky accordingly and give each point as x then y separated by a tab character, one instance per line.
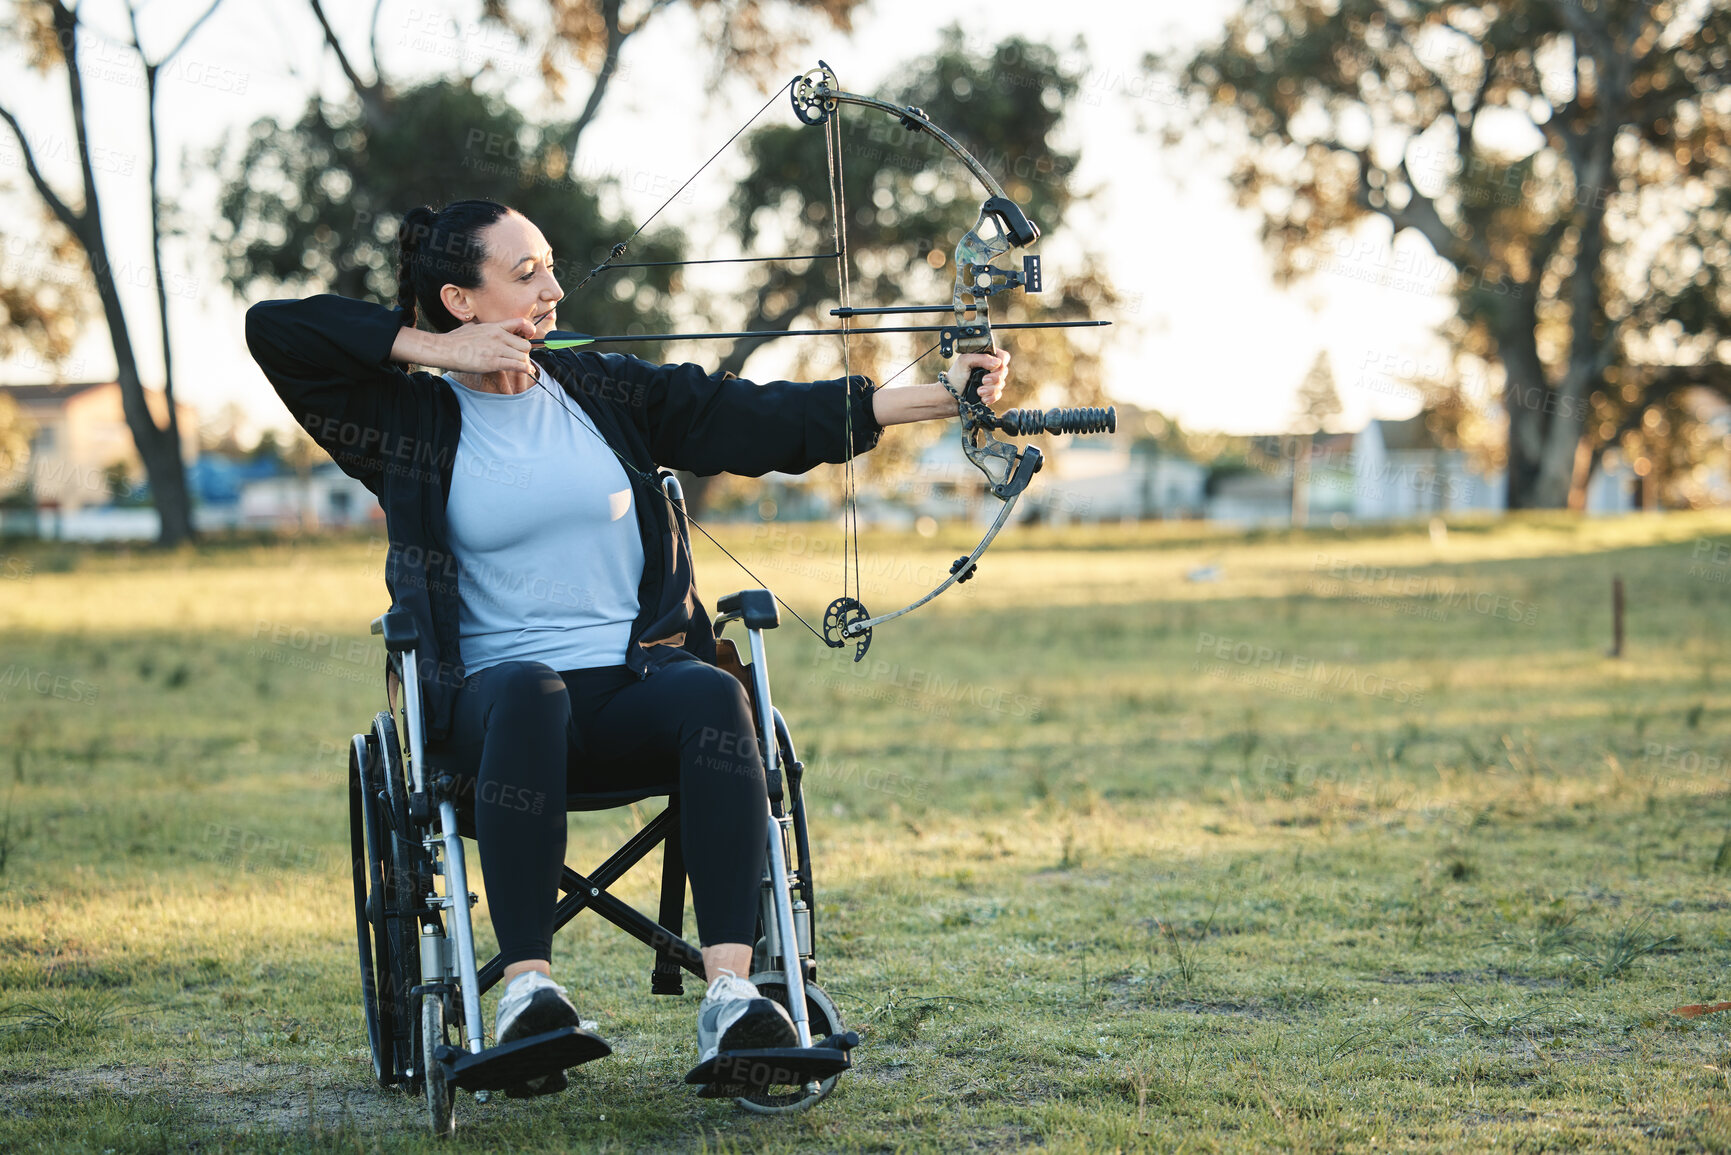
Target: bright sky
1203	336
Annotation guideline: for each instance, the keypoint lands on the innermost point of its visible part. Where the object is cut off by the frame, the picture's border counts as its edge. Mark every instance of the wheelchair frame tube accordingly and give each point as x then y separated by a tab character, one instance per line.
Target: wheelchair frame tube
457	898
411	672
787	935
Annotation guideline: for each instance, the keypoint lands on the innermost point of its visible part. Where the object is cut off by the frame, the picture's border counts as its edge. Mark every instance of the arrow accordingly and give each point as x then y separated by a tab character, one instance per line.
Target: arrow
560	339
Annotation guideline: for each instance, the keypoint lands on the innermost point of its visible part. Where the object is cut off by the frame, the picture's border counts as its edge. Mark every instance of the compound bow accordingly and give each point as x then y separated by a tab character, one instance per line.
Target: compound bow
1001	229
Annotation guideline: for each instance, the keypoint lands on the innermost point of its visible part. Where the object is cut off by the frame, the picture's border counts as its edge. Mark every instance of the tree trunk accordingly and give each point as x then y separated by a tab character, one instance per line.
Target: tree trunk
1524	392
159	449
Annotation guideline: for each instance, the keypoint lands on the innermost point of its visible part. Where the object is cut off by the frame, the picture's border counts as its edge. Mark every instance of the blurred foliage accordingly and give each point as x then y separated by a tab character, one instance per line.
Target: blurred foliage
46	291
750	37
16	430
315	206
1566	162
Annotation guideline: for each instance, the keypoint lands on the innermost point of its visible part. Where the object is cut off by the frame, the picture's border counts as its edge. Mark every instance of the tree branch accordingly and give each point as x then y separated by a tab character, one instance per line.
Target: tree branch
373	38
368	93
1668	379
58	207
616	38
1420	213
175	51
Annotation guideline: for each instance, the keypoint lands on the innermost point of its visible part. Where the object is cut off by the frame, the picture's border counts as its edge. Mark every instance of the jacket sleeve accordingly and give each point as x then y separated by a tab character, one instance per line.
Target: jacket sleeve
329	359
718	423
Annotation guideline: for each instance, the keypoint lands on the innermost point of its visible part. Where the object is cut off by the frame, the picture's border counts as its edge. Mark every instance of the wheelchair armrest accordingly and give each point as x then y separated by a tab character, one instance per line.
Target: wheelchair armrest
398	626
756	607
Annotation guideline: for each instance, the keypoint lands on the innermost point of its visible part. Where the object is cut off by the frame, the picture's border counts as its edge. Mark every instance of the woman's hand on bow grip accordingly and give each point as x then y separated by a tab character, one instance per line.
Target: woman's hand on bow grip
997	367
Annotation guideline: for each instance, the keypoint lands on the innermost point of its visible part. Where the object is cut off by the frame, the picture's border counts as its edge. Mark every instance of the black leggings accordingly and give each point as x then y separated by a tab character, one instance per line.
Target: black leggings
524	735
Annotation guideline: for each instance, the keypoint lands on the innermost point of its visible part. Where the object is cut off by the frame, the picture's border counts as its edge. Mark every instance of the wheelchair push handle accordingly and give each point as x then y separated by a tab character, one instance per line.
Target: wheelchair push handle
399	630
756	608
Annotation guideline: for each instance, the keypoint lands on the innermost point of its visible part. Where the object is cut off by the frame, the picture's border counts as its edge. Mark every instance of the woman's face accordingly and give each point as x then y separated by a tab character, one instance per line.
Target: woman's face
516	277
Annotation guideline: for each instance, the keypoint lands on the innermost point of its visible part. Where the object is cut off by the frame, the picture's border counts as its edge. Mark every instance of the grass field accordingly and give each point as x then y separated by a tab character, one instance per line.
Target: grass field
1364	844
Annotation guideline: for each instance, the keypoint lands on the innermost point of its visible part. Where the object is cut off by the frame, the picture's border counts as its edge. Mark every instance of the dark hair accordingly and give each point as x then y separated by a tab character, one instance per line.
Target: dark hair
438	249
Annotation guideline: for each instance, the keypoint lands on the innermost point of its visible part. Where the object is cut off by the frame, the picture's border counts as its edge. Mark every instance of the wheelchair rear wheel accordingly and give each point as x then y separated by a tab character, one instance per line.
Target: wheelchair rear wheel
825	1019
386	895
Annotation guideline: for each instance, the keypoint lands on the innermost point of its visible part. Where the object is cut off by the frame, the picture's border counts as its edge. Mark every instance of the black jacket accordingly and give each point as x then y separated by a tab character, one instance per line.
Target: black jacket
329	359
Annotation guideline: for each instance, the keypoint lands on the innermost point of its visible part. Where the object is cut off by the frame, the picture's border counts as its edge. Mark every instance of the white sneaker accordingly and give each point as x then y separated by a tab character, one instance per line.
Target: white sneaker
735	1016
531	1004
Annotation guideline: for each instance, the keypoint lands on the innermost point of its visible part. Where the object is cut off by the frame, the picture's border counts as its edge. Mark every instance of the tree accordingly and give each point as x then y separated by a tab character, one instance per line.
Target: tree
51	33
1317	402
1564	159
314	206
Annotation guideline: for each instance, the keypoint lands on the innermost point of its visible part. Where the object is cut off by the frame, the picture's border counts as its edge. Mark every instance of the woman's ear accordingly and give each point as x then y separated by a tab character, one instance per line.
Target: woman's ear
456	300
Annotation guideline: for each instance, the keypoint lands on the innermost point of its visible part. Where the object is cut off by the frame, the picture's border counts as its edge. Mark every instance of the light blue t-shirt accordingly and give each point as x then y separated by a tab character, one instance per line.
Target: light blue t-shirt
543	531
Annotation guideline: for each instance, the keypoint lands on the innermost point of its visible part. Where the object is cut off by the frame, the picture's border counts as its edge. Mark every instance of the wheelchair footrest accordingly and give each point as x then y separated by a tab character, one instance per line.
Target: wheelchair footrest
732	1072
512	1064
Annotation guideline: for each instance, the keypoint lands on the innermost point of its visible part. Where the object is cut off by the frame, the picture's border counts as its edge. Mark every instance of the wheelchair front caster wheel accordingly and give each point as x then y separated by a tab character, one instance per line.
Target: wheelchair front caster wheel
441	1096
824	1019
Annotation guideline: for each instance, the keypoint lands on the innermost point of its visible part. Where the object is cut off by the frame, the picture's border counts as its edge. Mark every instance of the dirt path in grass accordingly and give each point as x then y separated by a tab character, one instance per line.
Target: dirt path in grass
230	1094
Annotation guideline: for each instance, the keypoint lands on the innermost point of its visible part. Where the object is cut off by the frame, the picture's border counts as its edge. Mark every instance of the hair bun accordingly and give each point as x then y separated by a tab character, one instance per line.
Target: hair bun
417	223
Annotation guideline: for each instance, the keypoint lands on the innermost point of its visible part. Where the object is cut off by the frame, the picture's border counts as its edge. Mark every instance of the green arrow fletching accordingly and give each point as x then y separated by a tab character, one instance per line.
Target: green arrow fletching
559	339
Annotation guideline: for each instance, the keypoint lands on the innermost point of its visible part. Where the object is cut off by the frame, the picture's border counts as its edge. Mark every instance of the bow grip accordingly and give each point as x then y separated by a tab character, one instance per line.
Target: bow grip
976	377
971	392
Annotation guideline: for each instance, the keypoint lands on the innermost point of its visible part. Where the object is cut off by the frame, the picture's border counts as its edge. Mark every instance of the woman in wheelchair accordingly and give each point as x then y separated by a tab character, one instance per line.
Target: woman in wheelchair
564	648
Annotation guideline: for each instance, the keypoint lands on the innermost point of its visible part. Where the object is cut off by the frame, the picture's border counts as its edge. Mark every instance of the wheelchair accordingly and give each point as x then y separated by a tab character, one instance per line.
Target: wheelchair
421	984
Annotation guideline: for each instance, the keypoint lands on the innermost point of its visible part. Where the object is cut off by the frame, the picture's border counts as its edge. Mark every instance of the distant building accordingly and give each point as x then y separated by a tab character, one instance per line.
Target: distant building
1400	470
82	443
1387	471
1614	487
1260	493
326	498
1096	478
